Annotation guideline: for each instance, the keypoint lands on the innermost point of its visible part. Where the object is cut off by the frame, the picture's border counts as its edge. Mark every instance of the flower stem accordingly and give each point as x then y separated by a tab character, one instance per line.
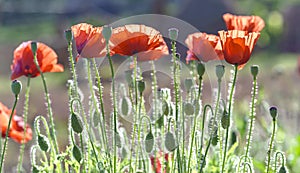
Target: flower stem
7	131
271	145
25	114
229	114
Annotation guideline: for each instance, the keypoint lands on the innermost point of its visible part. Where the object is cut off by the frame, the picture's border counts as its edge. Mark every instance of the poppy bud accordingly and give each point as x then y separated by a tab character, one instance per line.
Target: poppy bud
170	142
76	123
225	120
141	86
254	70
69	35
77	153
189	109
106	32
43	143
273	112
149	142
33	47
282	169
220	70
188	83
200	69
173	33
125	106
215	140
16	87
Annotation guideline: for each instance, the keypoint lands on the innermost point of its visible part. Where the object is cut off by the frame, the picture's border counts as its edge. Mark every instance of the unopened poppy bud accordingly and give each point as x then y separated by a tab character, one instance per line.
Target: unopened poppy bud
273	112
189	109
69	35
220	70
76	123
141	86
43	143
149	142
173	33
225	120
254	70
77	153
170	142
282	169
215	140
125	106
188	83
106	32
33	47
16	87
200	69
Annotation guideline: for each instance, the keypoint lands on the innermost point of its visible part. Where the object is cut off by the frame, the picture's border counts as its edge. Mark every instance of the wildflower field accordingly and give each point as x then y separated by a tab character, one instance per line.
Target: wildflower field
136	102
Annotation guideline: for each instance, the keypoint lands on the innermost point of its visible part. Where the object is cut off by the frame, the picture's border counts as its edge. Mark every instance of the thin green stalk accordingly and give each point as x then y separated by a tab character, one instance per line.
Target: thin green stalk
252	119
229	113
7	131
25	114
154	89
203	122
205	154
194	126
72	67
271	145
139	131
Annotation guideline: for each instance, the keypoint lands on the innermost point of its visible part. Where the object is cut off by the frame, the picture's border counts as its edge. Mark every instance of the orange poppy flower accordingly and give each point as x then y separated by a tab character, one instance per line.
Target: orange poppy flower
238	46
16	131
244	23
89	40
157	160
140	40
23	63
204	47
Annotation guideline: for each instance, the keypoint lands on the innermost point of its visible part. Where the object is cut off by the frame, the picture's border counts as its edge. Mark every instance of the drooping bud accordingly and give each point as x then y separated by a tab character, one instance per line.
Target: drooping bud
106	32
273	112
141	86
188	83
282	169
76	123
69	35
200	69
16	87
225	120
33	47
125	106
170	142
220	70
43	143
77	153
189	109
149	142
254	71
173	34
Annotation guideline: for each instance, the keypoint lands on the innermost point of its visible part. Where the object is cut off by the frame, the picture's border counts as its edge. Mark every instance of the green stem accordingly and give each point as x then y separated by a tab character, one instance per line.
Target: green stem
72	68
25	114
202	126
205	154
229	114
252	118
282	159
7	131
271	145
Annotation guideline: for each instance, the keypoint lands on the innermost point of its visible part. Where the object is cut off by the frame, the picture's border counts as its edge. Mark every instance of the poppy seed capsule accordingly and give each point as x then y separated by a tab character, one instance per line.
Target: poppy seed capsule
273	112
220	70
76	123
170	142
200	69
173	33
43	143
106	32
69	35
149	142
77	153
33	47
16	87
254	70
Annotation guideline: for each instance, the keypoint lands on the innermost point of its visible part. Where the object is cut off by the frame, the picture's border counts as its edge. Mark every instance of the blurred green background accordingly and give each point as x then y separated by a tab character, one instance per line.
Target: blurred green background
276	53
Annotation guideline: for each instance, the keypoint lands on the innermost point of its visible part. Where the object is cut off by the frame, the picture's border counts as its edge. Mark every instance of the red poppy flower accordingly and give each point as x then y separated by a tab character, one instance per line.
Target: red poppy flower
244	23
23	63
204	47
238	46
89	40
156	162
16	131
140	40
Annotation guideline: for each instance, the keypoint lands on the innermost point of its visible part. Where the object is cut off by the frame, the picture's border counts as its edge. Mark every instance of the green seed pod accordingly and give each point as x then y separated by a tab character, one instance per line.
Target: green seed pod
173	33
254	70
33	47
282	169
76	123
273	112
200	69
149	142
165	108
106	32
189	109
141	86
16	87
188	83
225	120
170	142
125	106
220	70
69	35
77	153
96	118
118	140
43	143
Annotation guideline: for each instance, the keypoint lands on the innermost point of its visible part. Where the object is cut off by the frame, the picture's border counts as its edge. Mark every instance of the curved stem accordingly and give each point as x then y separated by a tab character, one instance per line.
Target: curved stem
271	145
247	159
7	131
229	114
282	159
25	114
